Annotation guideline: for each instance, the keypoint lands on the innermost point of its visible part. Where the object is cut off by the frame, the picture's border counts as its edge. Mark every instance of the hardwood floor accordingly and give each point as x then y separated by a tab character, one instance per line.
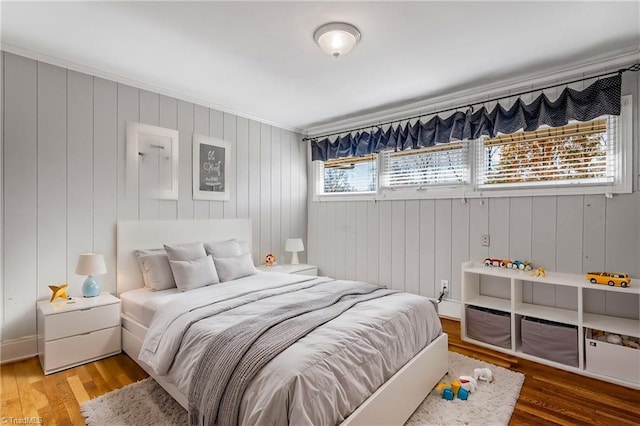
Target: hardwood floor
549	396
56	398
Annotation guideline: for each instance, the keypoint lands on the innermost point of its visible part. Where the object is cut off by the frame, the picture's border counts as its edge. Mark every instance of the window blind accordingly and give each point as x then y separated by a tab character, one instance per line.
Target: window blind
443	164
578	153
351	174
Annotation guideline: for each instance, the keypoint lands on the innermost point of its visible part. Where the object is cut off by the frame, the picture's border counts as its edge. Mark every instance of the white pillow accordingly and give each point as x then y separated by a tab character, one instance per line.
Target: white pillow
189	251
244	247
191	274
231	268
155	268
219	249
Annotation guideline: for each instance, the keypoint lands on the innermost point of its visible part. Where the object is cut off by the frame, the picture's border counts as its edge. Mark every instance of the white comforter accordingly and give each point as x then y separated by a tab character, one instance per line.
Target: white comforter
321	378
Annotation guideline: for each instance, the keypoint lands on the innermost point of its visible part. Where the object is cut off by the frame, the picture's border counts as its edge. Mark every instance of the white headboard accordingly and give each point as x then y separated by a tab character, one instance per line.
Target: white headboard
147	234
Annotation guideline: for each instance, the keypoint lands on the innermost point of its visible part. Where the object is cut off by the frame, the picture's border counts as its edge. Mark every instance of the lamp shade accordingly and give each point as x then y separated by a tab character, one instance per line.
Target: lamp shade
91	264
336	38
294	245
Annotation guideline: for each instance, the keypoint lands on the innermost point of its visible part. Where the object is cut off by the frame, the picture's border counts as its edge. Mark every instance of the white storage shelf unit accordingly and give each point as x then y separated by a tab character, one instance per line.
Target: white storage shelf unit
574	301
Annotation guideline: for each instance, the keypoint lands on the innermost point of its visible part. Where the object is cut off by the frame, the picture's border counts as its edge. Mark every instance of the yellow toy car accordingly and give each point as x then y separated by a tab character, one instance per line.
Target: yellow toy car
610	278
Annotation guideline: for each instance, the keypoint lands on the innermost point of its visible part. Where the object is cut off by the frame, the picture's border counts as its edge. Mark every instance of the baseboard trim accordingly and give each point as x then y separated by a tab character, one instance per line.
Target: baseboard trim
15	350
450	309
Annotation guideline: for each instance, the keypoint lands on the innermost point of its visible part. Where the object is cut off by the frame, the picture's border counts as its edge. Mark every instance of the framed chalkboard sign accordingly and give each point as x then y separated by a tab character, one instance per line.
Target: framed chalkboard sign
211	168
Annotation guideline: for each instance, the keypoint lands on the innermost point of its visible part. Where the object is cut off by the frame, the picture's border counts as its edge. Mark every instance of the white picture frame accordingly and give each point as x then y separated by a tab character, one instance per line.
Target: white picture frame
211	168
152	162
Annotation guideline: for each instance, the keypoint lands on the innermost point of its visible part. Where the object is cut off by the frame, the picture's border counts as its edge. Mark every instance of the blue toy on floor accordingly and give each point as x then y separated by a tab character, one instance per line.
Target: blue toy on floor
451	390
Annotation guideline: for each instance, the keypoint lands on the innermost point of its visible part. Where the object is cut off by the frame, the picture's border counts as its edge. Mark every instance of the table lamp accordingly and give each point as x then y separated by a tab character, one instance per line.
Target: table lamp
294	245
91	264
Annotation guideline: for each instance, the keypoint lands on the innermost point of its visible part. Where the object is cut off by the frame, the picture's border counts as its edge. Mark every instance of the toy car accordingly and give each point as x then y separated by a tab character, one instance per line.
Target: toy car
495	262
489	262
522	266
526	266
610	278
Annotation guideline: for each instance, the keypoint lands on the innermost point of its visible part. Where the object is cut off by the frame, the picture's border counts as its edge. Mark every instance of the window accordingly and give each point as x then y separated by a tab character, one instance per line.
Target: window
444	164
347	175
579	153
593	157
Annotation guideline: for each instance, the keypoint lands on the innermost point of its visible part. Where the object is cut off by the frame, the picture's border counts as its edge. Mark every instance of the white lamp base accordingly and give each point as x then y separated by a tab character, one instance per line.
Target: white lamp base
294	258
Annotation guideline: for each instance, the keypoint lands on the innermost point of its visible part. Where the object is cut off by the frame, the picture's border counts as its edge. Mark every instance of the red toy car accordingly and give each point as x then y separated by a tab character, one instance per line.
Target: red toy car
496	262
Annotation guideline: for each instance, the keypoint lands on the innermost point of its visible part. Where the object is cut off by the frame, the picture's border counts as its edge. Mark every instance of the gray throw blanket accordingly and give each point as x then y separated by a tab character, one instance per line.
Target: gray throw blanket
231	360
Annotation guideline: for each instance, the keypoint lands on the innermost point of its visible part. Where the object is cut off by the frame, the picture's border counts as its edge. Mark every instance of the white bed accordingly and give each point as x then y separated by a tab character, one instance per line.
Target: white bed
392	403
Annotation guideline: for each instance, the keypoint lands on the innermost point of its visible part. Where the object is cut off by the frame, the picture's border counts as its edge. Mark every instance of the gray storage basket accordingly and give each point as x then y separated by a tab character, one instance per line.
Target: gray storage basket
550	340
489	326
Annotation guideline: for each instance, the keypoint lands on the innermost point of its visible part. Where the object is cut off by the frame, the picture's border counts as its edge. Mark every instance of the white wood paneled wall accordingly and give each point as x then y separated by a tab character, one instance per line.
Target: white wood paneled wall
64	178
412	245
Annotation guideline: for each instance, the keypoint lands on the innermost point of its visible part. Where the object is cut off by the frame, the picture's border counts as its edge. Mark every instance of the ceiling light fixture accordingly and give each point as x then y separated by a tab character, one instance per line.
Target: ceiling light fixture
337	38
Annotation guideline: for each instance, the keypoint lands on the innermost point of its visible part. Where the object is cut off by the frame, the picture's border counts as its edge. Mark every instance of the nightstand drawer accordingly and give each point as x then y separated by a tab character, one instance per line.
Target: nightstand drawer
71	323
79	349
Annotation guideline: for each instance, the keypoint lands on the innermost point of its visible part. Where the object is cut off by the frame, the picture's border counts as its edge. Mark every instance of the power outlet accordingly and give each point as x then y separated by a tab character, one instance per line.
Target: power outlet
444	286
484	240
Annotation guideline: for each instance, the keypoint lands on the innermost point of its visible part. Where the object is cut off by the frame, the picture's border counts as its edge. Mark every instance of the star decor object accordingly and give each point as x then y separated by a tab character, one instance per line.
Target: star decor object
59	291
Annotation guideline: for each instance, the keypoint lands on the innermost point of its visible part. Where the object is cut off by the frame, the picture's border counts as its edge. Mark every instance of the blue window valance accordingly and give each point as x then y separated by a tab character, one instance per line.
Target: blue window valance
600	98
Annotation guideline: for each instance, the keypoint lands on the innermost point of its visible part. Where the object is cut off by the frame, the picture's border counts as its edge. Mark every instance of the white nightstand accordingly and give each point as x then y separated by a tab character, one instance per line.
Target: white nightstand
71	334
301	269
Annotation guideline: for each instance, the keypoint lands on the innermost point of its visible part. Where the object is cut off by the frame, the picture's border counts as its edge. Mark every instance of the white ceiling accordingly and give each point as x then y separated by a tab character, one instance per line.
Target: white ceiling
258	59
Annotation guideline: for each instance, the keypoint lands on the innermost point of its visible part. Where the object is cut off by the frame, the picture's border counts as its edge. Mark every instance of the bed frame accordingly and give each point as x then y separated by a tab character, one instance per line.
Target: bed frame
392	404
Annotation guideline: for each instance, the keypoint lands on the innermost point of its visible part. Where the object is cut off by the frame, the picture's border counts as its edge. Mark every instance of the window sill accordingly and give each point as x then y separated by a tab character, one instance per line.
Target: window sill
455	193
369	196
424	194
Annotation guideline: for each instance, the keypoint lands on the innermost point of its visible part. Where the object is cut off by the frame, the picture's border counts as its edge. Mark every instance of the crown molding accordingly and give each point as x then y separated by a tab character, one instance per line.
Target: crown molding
476	94
85	69
386	114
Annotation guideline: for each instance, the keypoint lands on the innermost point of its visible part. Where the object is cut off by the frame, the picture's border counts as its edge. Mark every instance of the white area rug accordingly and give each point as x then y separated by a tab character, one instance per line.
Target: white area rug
146	403
491	404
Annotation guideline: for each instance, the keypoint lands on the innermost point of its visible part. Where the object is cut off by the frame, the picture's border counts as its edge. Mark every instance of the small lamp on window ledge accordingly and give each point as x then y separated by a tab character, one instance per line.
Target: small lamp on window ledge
91	264
294	245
